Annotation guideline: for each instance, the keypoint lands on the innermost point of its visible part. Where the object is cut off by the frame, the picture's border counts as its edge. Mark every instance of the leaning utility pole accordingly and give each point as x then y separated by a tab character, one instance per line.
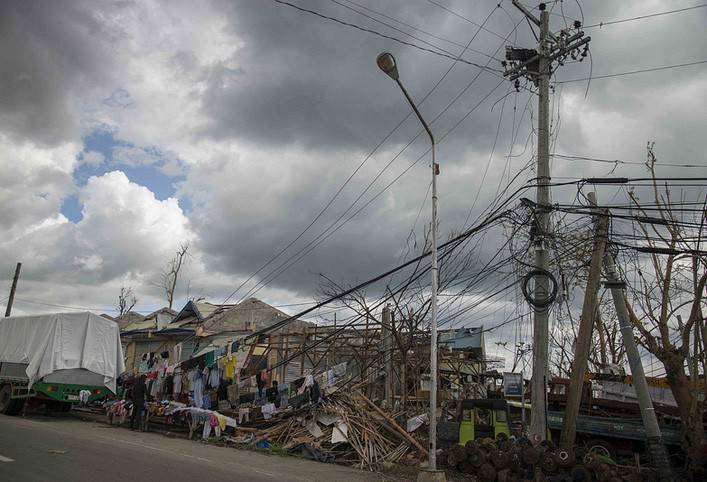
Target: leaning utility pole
536	65
11	299
654	439
584	334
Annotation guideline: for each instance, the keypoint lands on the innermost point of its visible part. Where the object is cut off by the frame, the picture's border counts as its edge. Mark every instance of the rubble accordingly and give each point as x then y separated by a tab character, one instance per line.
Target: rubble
341	429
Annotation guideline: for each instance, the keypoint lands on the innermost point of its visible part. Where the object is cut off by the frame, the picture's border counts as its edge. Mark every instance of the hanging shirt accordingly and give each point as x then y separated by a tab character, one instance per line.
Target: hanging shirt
177	384
193	375
215	377
156	387
229	369
198	392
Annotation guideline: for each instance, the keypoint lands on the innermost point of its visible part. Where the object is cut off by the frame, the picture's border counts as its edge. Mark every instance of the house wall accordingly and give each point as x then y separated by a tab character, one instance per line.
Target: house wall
136	348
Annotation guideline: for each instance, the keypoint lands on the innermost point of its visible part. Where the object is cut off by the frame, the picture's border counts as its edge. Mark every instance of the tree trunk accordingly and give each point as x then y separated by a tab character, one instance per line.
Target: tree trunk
688	407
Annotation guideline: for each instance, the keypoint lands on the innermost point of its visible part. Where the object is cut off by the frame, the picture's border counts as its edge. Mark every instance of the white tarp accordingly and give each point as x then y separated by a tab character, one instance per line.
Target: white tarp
63	341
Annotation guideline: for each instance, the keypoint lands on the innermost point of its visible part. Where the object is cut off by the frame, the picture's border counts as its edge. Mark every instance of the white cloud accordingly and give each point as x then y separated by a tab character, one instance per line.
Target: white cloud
125	234
35	180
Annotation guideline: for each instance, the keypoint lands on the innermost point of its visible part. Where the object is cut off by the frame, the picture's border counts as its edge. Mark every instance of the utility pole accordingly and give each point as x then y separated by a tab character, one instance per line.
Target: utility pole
388	354
537	66
584	334
11	299
654	439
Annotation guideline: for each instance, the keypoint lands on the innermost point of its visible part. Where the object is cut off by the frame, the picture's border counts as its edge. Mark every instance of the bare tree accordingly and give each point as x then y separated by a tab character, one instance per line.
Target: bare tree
670	283
170	276
126	300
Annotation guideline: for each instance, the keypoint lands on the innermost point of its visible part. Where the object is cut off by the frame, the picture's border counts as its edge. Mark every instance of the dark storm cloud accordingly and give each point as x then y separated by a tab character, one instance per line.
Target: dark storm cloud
49	51
309	81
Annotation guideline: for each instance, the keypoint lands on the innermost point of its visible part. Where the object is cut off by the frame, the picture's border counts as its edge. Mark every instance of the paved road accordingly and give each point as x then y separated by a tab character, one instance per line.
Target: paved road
44	449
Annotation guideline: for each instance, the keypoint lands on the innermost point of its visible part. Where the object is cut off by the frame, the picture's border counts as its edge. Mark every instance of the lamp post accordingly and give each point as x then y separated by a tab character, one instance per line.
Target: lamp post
386	62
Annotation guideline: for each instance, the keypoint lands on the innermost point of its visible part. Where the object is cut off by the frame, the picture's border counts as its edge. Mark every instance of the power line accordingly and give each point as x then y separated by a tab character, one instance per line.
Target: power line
273	274
395	39
641	17
365	160
358	168
88	308
619	161
337	2
449	245
332	228
619	74
65	306
447	9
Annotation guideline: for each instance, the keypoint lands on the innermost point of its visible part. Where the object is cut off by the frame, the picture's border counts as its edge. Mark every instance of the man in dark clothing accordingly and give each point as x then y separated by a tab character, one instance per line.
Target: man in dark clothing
138	397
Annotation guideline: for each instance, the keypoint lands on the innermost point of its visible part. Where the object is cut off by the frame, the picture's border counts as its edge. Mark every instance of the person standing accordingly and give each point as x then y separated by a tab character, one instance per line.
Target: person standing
137	395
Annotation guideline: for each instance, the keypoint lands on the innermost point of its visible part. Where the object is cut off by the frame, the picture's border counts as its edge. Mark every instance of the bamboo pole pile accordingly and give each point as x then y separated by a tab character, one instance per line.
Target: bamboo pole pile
363	438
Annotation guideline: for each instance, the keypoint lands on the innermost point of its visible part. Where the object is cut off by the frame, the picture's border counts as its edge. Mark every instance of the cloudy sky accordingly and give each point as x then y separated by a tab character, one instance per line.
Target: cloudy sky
128	128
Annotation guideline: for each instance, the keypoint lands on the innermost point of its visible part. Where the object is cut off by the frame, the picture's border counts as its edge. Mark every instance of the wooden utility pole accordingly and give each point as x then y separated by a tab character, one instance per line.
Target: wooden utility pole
584	335
11	299
602	338
386	330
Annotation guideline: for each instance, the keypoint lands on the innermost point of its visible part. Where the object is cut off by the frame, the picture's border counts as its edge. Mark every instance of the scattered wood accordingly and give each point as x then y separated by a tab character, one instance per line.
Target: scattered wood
349	429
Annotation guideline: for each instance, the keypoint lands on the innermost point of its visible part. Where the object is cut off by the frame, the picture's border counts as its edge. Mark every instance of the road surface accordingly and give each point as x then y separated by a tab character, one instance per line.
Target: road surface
40	448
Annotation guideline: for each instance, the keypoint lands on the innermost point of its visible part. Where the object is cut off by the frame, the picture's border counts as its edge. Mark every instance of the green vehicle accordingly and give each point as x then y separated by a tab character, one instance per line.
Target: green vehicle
57	390
57	359
475	419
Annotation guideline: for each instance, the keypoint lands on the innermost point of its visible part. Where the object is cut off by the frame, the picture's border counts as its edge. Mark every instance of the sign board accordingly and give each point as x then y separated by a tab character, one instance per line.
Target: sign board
513	384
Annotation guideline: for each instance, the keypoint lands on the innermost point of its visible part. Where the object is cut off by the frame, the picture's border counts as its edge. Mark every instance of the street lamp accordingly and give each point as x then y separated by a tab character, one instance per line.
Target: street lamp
386	62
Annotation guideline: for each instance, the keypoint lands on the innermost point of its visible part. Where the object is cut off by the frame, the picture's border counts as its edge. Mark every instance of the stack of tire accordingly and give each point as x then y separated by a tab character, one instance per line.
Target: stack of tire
506	460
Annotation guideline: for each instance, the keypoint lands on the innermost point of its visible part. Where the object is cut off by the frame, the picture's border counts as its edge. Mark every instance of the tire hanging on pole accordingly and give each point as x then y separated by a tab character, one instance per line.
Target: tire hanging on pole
542	303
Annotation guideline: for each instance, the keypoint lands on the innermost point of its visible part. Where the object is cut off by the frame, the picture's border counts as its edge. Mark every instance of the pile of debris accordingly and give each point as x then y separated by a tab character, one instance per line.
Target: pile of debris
345	428
507	460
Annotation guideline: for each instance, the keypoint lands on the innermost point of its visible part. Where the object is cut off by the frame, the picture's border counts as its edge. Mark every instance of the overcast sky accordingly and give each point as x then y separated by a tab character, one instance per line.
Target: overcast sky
127	128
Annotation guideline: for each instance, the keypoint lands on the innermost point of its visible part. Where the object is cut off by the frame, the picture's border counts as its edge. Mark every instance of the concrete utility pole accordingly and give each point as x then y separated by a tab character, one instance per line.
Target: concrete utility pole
536	65
11	299
538	393
654	438
584	334
388	354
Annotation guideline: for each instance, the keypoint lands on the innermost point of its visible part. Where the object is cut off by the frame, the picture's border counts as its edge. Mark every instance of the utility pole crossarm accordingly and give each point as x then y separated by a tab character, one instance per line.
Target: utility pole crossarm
526	12
554	47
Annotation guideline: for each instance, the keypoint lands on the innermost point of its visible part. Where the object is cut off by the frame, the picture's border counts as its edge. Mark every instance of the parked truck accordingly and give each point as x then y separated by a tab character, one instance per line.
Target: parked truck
608	436
51	359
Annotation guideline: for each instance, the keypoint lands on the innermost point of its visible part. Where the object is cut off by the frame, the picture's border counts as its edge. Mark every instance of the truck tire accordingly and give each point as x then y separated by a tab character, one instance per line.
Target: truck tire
5	398
601	447
8	406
